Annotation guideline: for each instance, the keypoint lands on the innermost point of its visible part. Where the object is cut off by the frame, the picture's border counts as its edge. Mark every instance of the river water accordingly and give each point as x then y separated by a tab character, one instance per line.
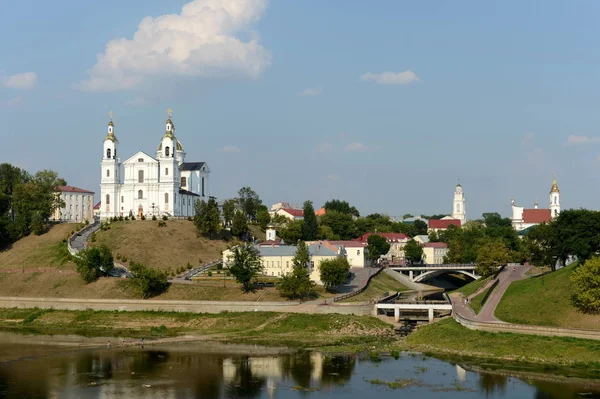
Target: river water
195	370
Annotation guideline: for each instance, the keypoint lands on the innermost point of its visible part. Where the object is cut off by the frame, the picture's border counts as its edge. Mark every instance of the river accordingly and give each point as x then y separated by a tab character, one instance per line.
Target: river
39	369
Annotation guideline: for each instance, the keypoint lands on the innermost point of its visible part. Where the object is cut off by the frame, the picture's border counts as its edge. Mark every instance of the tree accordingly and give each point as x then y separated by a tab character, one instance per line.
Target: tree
298	284
377	247
263	219
309	227
342	224
207	218
94	262
420	227
149	282
407	215
249	201
491	255
245	264
413	252
228	211
341	206
334	271
239	227
292	232
536	246
575	232
325	233
586	286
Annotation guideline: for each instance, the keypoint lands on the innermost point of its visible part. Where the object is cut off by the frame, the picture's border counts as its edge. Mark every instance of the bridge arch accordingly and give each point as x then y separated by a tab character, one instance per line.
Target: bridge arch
433	273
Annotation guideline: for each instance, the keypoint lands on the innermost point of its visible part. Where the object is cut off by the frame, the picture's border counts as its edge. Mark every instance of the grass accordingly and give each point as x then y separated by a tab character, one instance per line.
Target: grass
141	240
377	287
473	286
447	336
476	303
545	301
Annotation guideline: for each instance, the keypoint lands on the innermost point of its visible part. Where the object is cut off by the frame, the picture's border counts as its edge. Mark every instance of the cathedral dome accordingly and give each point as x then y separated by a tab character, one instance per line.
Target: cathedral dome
554	188
111	132
179	146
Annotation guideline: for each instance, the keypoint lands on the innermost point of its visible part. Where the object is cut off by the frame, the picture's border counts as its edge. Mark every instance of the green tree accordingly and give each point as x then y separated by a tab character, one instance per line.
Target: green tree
377	247
420	227
342	224
491	255
207	219
245	264
94	262
407	215
249	201
263	219
536	246
239	227
228	211
149	282
292	232
325	233
309	227
297	284
334	272
413	252
341	206
575	232
586	286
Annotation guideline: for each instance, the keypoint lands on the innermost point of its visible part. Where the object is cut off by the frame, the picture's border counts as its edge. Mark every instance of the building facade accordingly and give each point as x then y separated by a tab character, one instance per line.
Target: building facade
146	186
79	205
523	218
434	252
459	210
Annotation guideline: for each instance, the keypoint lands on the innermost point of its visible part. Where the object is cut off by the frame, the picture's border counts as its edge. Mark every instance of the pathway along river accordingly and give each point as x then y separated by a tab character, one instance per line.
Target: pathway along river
29	370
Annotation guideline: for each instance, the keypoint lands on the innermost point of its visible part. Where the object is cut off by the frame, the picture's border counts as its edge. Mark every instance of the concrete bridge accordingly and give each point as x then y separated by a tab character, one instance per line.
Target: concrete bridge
411	307
420	272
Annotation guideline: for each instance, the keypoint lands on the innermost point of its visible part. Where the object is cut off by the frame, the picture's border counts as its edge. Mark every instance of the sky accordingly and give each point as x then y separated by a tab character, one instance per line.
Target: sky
385	104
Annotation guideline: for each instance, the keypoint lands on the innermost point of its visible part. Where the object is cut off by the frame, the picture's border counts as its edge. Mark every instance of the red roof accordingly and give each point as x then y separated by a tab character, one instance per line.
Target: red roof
72	189
536	215
297	213
349	244
321	212
435	245
270	242
97	206
443	223
390	237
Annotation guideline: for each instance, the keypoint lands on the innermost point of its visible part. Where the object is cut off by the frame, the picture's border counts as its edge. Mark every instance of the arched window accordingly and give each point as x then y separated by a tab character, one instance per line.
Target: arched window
166	151
166	198
140	194
107	172
140	176
184	182
555	198
108	153
140	159
203	186
457	208
166	171
107	199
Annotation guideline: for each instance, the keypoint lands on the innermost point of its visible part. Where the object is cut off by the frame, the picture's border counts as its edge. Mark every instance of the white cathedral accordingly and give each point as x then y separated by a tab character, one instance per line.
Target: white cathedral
148	186
522	218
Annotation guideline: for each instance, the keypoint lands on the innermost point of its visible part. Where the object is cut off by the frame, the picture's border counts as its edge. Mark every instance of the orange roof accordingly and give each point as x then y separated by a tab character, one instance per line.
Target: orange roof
536	215
321	212
390	237
443	223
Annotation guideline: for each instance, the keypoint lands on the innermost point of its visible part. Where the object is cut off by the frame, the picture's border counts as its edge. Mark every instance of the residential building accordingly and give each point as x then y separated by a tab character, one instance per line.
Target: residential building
397	242
78	205
523	219
434	252
442	224
356	252
290	213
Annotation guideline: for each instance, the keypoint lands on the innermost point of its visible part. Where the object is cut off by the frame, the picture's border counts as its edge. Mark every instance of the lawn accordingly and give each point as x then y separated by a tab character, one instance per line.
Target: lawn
377	287
545	301
476	302
473	286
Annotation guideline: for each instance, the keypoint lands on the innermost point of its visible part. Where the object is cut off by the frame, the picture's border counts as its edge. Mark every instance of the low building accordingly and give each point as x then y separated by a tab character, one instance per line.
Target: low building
97	209
434	252
442	224
290	213
355	251
79	205
397	242
421	239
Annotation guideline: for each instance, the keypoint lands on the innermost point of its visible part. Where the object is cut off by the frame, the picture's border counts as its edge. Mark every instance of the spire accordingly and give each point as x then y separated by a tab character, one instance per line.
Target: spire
110	135
554	188
170	126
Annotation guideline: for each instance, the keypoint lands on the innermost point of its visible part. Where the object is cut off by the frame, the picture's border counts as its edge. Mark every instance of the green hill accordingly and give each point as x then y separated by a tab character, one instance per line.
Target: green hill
545	301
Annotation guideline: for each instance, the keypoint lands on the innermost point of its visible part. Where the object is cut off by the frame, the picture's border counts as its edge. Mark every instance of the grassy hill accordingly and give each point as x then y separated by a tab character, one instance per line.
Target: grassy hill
377	287
166	248
544	300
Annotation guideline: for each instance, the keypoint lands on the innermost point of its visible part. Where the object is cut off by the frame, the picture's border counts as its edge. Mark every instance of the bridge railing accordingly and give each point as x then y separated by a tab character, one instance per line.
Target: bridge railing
433	266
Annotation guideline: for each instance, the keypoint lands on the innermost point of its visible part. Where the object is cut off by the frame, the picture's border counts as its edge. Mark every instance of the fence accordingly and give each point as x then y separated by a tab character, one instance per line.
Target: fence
351	294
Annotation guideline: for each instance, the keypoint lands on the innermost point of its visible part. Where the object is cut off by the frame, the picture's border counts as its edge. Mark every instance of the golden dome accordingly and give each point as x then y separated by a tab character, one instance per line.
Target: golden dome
179	146
554	188
111	133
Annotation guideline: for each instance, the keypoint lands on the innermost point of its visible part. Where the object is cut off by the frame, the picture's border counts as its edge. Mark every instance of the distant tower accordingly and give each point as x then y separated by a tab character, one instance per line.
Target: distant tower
459	211
169	169
110	180
554	199
271	232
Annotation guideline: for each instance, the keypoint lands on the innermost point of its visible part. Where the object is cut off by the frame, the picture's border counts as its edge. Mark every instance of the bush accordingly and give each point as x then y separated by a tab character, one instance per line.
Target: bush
124	258
93	237
87	222
132	217
149	282
158	330
209	274
162	223
165	217
94	262
121	218
334	272
143	217
219	266
153	217
586	286
190	218
189	266
118	256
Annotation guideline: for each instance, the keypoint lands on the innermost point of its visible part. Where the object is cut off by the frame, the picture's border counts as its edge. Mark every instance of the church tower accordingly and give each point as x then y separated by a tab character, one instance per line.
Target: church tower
459	212
554	199
110	180
167	157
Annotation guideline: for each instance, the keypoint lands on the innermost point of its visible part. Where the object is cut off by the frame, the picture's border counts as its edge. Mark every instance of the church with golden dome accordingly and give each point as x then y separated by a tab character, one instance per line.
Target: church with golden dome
523	219
148	186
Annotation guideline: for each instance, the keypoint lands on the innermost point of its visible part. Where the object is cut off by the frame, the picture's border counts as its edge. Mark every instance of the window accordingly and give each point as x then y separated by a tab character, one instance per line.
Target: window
166	151
555	198
184	182
122	199
108	153
140	159
358	252
107	172
203	186
140	194
107	199
287	263
166	171
166	198
140	176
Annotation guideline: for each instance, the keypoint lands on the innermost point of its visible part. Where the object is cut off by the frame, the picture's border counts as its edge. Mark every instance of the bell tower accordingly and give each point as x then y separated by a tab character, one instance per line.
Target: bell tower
458	211
554	199
169	169
110	179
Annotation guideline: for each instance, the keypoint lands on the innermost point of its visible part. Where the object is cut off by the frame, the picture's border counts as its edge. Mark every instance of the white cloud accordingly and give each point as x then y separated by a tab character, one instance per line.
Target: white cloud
574	139
356	147
312	91
391	78
230	148
324	147
20	81
201	41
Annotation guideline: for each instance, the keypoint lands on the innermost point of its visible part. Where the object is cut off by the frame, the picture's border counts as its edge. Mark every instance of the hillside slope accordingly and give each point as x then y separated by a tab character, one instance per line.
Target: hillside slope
545	301
167	248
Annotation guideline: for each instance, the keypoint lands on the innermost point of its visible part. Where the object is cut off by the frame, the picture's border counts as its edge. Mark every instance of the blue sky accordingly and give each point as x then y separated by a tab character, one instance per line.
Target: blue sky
291	98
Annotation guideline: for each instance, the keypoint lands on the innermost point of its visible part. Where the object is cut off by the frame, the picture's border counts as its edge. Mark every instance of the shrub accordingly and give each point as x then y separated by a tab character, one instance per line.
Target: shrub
132	217
586	283
94	262
93	237
219	266
153	217
209	274
121	218
124	258
148	281
190	218
189	266
87	222
162	223
201	261
118	256
158	330
165	217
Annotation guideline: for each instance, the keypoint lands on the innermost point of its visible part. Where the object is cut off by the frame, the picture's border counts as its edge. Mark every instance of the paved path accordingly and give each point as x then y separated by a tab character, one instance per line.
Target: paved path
80	241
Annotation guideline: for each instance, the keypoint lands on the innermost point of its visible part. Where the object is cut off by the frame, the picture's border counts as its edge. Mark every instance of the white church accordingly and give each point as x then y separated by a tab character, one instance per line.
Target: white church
523	219
151	186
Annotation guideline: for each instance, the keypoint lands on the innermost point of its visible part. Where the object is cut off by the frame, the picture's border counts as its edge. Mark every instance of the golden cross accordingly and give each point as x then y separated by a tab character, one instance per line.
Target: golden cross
169	112
110	114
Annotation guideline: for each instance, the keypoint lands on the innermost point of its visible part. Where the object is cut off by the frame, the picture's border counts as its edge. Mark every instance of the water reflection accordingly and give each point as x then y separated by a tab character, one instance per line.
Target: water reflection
193	372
